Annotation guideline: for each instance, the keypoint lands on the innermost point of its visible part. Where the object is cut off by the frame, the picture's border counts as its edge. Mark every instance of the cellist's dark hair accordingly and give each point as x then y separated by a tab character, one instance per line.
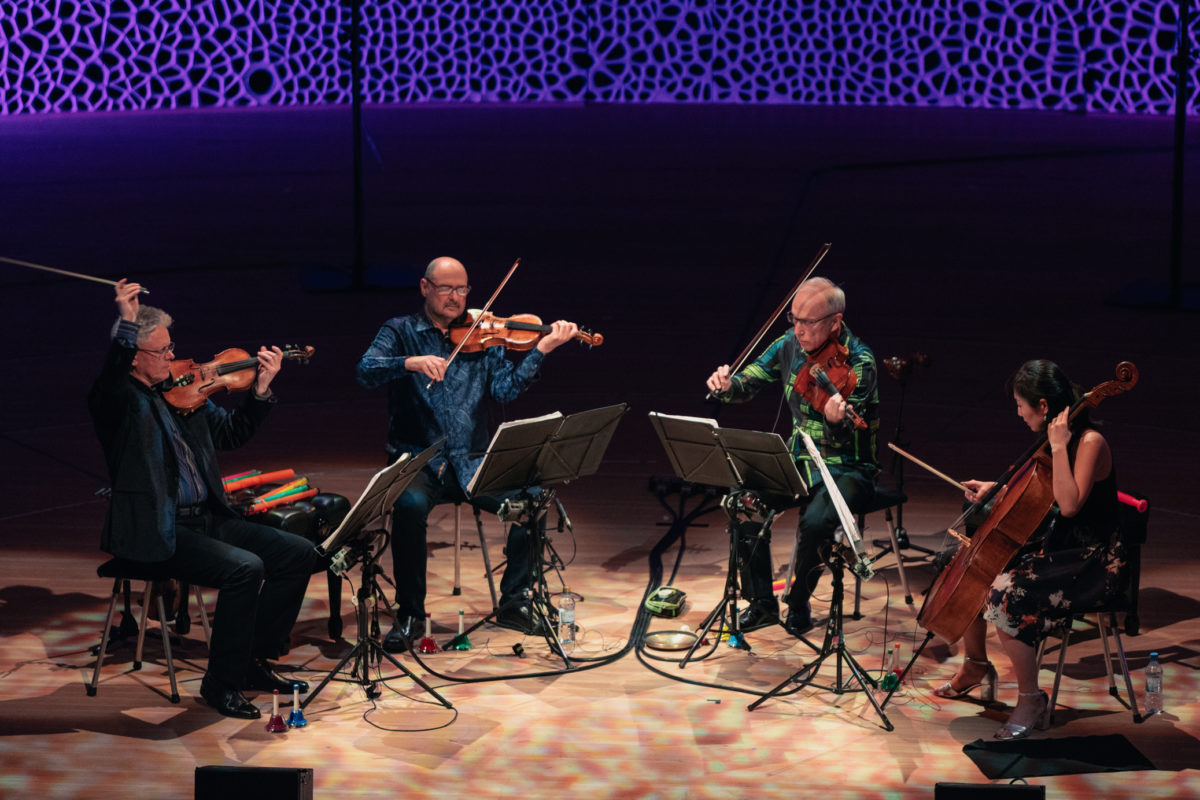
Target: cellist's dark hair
1041	379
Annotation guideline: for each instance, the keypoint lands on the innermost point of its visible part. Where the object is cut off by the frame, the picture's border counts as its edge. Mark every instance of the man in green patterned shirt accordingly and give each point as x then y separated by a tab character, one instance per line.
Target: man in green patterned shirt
849	451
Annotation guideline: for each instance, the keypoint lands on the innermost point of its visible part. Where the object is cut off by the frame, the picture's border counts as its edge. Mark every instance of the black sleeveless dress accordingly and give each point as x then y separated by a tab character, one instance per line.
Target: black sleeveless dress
1071	565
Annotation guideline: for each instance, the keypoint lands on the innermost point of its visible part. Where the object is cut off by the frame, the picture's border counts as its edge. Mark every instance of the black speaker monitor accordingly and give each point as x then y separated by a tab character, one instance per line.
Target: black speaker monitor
284	783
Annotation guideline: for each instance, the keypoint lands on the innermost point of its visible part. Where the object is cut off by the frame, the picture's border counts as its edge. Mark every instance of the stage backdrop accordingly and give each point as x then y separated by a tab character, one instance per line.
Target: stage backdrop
1077	55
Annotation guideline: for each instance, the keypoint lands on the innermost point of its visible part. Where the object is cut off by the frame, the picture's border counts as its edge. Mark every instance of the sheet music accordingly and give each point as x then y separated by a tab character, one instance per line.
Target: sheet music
362	511
862	568
537	428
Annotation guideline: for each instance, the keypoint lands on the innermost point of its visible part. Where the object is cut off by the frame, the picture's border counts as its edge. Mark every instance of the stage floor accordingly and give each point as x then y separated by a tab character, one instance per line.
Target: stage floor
978	239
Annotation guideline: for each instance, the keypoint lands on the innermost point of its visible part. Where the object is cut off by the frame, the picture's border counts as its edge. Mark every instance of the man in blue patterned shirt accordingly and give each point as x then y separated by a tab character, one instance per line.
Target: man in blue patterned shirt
849	452
408	354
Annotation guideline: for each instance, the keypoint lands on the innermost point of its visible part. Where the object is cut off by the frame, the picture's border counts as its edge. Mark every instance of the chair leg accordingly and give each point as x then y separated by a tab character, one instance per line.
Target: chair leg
166	639
1058	671
487	560
141	640
112	607
457	550
1111	625
204	624
891	526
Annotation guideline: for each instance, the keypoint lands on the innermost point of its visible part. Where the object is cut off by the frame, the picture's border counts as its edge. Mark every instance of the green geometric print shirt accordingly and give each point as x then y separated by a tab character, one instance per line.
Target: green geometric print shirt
843	447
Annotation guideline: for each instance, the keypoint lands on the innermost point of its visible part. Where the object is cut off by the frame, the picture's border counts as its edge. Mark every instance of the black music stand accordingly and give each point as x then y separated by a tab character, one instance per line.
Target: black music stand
531	453
834	645
762	479
351	543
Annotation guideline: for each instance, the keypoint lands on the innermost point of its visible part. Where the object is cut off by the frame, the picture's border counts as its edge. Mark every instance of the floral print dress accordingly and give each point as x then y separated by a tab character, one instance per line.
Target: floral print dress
1071	565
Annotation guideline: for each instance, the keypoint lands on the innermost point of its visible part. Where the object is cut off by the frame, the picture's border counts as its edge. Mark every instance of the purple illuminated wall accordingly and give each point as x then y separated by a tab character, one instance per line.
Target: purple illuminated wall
1083	55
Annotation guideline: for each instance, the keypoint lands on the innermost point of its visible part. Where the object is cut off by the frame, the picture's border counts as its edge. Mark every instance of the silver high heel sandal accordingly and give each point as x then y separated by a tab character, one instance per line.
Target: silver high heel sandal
987	685
1008	731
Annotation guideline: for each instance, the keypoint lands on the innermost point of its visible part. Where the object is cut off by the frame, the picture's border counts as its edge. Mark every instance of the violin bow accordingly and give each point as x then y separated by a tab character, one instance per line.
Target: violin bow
812	267
64	272
926	467
487	306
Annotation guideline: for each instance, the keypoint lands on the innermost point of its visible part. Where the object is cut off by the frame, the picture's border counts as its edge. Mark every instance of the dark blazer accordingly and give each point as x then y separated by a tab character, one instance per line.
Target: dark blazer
131	422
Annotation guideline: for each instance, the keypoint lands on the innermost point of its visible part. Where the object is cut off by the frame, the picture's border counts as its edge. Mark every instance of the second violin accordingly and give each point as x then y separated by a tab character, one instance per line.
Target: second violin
477	330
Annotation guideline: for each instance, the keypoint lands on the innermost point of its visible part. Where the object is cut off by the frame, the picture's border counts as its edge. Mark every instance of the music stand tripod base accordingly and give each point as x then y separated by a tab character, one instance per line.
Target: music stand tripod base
762	479
834	645
523	457
350	538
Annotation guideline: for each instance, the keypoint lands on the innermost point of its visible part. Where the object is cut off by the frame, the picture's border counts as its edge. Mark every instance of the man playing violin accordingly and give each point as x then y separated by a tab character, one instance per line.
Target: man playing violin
848	451
407	354
168	507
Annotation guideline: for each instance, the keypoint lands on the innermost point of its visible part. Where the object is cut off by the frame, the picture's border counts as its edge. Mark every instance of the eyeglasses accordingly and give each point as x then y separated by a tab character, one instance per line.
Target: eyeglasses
806	323
444	291
160	352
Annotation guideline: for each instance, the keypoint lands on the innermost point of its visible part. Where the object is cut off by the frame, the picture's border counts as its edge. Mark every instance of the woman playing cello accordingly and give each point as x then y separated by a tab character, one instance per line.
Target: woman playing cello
1072	560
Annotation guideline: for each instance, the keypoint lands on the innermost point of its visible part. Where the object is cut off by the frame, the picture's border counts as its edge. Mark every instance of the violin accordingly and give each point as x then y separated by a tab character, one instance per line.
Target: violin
232	370
478	330
827	372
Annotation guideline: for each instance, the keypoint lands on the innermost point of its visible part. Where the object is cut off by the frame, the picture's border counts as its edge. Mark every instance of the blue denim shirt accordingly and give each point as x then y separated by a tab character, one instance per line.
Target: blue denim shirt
451	409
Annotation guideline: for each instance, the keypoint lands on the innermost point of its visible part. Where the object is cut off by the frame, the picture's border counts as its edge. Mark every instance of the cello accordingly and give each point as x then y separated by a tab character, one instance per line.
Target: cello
959	592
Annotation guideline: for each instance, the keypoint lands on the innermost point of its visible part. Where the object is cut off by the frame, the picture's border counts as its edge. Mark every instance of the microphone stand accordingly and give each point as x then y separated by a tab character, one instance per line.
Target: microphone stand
901	369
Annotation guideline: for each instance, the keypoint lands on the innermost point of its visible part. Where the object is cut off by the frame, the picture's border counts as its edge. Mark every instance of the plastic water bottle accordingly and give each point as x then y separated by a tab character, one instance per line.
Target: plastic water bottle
566	618
1154	677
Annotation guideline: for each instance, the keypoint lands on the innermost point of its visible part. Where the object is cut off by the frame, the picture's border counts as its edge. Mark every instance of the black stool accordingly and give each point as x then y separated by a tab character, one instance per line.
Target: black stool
122	571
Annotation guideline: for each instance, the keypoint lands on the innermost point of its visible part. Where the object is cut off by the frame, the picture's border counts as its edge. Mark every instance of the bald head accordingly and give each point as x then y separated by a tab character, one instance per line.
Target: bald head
442	264
445	288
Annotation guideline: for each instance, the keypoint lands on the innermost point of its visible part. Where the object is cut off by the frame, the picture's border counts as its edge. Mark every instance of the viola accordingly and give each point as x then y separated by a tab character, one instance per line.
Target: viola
960	590
826	373
232	370
478	330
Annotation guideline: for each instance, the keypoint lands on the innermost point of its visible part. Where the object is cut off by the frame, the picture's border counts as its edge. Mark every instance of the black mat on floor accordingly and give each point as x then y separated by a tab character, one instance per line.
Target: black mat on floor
1028	758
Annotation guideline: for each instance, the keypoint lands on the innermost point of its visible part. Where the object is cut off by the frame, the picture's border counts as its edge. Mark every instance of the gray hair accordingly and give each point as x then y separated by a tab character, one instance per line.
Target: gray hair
148	318
835	298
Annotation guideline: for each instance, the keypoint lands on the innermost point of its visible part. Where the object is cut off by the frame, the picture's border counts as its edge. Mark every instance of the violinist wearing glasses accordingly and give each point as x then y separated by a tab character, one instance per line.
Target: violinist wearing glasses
168	506
843	424
432	397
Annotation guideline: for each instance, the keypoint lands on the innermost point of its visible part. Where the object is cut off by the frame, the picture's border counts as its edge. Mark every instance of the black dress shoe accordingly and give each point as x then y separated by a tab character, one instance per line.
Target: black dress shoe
520	618
262	677
405	627
758	615
798	622
228	702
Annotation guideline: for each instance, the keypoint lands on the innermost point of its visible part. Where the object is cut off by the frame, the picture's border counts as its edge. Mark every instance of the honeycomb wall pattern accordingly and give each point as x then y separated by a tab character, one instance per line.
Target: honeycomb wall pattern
1079	55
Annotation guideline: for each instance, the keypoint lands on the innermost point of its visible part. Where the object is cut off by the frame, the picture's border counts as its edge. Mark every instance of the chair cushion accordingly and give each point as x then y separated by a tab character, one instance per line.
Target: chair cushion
884	498
133	570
